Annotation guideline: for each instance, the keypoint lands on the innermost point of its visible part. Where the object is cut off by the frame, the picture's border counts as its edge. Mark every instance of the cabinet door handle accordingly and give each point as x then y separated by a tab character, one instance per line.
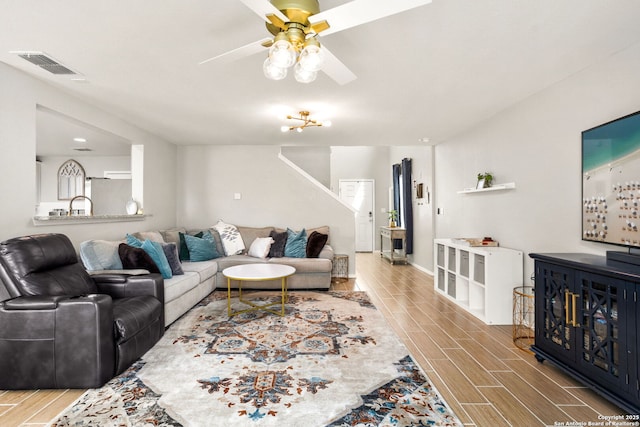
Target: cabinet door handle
566	306
574	297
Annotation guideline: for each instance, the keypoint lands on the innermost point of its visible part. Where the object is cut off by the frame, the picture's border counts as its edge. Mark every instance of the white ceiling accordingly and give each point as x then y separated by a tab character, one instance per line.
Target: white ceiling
430	72
56	134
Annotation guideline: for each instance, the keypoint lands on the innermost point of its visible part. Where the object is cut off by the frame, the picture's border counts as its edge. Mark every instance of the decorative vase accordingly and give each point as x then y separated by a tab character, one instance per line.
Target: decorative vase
132	207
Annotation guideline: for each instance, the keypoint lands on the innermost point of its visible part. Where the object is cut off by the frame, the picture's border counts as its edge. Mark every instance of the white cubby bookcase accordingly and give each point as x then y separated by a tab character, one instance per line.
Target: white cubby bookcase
478	279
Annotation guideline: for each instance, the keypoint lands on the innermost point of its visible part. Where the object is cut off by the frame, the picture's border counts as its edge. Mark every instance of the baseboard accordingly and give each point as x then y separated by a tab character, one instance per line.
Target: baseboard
421	268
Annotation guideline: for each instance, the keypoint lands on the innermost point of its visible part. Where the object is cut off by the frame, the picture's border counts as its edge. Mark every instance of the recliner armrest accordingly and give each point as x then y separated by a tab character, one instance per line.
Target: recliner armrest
124	285
35	302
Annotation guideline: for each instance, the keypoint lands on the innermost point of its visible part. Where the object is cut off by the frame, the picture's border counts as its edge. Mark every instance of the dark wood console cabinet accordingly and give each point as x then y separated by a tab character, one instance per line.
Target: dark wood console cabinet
586	319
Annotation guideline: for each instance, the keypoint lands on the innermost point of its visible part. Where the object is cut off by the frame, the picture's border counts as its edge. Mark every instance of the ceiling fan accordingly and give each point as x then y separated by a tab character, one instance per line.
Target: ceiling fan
300	23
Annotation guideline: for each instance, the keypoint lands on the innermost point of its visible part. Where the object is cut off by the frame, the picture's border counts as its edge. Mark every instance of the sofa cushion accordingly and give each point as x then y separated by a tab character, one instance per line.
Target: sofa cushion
279	242
201	249
315	243
250	234
171	252
305	265
133	241
296	246
134	258
206	269
260	247
324	229
183	249
154	236
172	235
231	238
179	285
100	255
155	251
233	260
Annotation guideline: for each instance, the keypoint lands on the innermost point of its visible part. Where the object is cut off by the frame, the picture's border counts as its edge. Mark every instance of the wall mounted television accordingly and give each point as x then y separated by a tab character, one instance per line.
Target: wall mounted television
611	182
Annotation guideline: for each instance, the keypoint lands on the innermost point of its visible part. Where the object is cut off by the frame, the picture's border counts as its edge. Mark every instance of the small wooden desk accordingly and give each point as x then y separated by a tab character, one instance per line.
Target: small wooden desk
391	234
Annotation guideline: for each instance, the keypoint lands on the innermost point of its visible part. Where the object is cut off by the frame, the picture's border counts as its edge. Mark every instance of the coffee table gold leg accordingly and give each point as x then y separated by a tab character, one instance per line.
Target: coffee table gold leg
284	295
229	296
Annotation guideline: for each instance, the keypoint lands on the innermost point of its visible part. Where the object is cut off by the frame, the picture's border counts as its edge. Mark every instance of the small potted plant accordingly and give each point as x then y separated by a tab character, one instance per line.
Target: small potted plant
393	218
484	180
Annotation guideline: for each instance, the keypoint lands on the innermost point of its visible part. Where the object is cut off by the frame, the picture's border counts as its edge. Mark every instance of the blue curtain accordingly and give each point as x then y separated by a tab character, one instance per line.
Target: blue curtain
397	169
403	205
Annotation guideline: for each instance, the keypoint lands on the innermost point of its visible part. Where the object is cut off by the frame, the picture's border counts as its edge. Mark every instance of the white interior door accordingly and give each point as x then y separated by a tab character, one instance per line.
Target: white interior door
358	193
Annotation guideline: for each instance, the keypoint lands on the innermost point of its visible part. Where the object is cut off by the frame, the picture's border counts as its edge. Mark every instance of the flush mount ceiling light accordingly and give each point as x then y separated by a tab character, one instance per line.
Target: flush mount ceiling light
306	122
297	24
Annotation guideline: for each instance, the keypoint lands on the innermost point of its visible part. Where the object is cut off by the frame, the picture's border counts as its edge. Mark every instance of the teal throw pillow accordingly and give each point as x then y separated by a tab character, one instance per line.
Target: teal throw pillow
155	251
201	249
133	241
183	251
296	246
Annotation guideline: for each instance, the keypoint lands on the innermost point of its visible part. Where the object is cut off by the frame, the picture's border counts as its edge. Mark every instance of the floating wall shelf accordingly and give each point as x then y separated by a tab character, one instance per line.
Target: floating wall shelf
496	187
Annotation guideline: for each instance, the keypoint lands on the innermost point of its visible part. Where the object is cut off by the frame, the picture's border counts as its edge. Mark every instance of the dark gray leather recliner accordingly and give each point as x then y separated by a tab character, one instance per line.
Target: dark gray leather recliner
61	327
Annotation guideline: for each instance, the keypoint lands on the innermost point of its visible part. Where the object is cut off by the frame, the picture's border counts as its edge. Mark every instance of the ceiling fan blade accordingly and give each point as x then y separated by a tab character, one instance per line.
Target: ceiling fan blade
335	69
358	12
263	8
241	52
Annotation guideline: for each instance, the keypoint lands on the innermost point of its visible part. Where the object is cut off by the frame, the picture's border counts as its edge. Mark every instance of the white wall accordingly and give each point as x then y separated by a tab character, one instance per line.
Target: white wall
537	145
364	163
94	166
19	95
313	160
423	222
271	194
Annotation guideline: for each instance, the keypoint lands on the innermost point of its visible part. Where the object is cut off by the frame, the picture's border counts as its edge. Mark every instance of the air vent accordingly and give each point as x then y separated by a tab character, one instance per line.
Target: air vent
45	62
82	149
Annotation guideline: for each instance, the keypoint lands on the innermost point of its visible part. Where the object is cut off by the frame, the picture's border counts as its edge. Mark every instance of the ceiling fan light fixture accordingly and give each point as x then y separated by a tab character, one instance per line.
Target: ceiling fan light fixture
272	71
303	75
282	53
312	56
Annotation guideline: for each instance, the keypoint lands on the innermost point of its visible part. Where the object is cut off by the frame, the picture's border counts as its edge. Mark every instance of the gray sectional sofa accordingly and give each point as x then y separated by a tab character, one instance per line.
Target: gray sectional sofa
200	278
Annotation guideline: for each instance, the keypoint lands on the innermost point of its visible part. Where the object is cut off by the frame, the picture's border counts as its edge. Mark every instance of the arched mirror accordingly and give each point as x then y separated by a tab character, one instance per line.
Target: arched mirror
71	179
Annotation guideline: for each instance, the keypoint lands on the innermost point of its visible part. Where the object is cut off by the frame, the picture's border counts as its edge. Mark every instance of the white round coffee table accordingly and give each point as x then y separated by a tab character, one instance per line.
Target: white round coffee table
257	273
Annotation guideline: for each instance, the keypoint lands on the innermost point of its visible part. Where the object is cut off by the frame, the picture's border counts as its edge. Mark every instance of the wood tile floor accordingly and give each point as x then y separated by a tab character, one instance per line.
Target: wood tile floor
485	379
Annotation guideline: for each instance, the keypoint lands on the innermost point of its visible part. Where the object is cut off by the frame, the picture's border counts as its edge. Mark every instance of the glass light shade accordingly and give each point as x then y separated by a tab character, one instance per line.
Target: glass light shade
311	58
304	76
284	129
326	124
272	71
299	130
282	54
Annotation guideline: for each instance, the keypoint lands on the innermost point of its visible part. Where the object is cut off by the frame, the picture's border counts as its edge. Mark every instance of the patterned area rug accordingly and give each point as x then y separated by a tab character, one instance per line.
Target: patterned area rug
331	361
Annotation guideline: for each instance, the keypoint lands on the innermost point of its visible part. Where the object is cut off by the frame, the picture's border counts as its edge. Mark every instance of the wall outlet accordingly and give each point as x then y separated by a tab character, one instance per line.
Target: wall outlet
237	196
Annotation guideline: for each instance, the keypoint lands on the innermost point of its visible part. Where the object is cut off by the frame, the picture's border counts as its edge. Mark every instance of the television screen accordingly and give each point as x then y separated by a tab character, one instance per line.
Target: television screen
611	182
